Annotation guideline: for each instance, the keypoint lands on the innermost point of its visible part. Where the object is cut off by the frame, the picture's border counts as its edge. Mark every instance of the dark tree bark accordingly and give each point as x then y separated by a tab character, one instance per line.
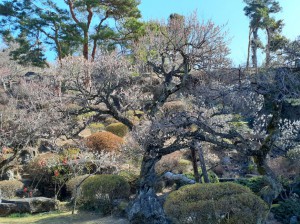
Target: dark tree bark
195	165
198	146
268	53
249	48
146	208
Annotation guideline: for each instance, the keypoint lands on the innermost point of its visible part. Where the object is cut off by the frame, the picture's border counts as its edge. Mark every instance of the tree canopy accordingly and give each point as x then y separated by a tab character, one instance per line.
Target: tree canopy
67	27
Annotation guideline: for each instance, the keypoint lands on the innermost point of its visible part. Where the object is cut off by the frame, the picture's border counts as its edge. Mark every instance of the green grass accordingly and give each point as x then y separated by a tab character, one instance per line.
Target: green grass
60	218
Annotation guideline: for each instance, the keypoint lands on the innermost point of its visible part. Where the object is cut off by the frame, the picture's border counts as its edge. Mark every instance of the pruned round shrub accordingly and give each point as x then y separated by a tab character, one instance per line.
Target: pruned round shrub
110	120
96	127
100	191
132	178
72	184
104	141
9	188
215	203
118	129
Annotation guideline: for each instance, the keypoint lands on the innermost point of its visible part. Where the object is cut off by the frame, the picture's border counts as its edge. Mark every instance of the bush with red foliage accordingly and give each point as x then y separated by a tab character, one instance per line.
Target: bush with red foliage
104	141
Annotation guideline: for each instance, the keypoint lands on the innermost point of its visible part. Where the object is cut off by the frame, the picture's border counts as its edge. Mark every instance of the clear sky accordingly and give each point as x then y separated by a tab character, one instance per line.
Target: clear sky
228	12
222	12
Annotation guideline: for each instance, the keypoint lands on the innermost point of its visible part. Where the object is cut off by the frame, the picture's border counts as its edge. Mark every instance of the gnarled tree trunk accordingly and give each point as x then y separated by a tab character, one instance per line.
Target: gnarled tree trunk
147	208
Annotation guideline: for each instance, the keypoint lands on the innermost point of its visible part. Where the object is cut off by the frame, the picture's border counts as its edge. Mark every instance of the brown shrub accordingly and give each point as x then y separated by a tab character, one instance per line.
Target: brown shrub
9	188
104	141
174	106
169	162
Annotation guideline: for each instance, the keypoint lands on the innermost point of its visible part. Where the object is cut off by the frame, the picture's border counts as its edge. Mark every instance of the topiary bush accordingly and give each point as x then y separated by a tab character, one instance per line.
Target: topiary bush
9	188
104	141
215	203
100	191
96	127
72	184
132	178
118	129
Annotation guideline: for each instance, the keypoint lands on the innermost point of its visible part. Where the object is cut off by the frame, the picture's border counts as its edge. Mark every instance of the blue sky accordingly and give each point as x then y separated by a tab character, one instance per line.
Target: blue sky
228	12
222	12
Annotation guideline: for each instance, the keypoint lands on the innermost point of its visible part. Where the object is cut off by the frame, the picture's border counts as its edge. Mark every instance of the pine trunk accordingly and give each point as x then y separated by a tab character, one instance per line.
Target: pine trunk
254	47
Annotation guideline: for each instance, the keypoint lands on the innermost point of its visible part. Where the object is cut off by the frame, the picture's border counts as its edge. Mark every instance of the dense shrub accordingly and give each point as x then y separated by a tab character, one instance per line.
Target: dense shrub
294	154
134	115
100	191
86	116
286	209
104	141
174	106
118	129
72	184
254	183
110	120
215	203
40	165
9	188
3	97
96	127
132	178
213	178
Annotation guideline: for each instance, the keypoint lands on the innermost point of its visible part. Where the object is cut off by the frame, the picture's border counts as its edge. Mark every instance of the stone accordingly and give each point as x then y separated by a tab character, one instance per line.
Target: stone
85	133
7	209
294	220
29	205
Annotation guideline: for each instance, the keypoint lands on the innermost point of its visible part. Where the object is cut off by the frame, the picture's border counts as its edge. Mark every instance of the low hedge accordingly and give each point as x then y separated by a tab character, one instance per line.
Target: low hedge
73	182
100	191
118	129
225	203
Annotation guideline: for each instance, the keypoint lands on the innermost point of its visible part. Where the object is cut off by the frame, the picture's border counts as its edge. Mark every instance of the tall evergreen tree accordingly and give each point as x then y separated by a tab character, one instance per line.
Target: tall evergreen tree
259	12
86	13
84	23
15	19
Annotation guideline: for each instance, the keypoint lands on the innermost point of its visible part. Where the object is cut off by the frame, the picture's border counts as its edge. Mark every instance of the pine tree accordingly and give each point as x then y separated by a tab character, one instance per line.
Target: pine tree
259	12
84	23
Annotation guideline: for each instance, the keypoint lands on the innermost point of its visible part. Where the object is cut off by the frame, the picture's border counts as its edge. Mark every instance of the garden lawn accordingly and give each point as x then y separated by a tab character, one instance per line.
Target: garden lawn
61	218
